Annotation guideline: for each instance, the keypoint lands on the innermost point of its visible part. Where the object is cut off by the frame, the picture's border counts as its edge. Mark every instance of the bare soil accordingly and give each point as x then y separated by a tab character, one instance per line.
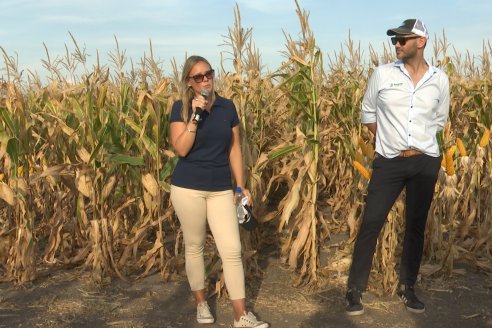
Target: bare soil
68	298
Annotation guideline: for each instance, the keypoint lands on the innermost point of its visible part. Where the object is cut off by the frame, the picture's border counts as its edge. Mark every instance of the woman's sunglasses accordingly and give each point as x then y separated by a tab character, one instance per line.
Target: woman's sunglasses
402	41
198	78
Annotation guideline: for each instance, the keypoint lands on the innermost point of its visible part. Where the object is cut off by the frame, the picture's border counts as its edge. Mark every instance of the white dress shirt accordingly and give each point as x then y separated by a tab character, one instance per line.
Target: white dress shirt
407	117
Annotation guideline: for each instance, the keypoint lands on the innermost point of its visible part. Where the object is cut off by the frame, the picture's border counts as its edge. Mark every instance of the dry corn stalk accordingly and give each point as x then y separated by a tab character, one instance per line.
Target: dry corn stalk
362	145
69	125
7	194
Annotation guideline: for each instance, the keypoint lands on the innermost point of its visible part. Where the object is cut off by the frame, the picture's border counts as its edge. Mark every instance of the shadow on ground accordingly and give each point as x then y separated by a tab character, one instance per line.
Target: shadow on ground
68	298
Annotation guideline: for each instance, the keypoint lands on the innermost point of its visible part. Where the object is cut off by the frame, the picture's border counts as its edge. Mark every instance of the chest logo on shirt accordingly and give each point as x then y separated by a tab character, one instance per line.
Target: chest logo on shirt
396	85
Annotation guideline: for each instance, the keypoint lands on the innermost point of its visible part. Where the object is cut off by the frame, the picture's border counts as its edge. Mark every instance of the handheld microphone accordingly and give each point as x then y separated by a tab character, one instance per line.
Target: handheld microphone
198	111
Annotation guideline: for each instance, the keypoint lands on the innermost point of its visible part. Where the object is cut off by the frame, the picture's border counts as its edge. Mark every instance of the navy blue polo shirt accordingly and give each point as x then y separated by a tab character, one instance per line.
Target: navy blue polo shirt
206	166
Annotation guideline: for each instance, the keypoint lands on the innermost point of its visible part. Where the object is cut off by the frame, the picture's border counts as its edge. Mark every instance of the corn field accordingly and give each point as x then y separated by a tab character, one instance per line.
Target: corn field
85	162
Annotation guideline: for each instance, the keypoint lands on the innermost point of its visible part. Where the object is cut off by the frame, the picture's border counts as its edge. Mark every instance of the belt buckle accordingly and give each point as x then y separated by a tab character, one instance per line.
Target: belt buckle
406	153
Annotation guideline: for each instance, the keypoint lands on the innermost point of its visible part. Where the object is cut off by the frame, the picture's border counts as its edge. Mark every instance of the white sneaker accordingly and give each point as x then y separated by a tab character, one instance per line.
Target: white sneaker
203	314
249	320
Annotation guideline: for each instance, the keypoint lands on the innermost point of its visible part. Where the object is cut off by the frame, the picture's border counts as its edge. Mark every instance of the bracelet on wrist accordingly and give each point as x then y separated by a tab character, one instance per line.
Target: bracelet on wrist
191	131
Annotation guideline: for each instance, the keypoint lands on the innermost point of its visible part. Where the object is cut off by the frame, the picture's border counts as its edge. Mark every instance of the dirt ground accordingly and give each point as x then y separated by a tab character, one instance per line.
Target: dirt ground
68	298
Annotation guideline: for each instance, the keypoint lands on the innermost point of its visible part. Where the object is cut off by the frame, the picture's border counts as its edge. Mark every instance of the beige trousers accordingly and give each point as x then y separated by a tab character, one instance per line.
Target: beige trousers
194	208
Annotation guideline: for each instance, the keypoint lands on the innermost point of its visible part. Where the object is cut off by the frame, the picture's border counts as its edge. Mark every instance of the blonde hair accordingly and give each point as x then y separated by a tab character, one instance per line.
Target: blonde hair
186	91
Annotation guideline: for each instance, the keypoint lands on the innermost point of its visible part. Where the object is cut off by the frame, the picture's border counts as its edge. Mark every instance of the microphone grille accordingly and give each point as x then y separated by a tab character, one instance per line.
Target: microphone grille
204	93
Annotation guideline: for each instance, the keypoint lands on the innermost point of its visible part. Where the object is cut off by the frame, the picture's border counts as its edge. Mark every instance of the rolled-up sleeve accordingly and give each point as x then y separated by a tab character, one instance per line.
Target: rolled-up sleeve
369	103
443	110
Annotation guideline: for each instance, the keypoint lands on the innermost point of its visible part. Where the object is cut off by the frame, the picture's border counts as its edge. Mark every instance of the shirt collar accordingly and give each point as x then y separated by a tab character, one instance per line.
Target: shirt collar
399	63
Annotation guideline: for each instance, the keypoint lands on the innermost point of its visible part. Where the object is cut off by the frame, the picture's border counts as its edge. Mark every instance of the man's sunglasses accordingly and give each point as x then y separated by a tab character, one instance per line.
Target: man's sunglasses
402	41
198	78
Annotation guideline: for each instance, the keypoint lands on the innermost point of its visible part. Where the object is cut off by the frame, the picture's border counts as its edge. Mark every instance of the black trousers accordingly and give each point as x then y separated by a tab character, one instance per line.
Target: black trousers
418	174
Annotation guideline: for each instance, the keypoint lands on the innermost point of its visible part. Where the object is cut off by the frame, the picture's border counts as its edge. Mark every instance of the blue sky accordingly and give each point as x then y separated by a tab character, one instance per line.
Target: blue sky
180	27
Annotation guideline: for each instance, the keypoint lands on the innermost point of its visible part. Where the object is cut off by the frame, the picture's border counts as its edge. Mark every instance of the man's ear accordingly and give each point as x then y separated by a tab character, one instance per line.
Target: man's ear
422	42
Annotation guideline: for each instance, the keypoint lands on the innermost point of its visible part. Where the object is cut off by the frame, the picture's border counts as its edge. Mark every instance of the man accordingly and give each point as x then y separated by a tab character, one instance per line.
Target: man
406	103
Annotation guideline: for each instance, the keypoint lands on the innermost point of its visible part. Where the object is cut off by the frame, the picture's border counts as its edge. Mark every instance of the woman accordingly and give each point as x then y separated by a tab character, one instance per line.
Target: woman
208	147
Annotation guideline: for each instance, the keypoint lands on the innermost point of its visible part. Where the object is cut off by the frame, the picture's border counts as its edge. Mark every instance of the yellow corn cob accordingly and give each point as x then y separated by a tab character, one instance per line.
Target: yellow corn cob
20	171
449	160
451	151
362	170
485	138
461	147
